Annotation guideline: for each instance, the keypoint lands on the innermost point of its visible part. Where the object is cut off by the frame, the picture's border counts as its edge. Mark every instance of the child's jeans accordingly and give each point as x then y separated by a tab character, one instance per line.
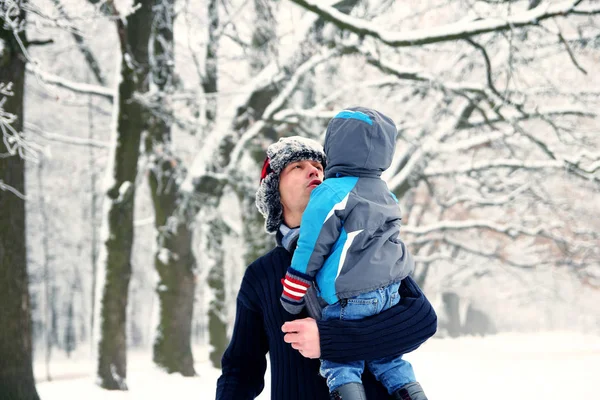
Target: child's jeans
393	372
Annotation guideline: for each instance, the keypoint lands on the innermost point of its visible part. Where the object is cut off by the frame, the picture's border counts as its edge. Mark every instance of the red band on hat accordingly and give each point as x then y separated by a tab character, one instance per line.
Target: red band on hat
266	169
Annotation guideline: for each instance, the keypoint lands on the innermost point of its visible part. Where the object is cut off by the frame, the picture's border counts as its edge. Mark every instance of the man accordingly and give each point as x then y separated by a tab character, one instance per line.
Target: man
294	167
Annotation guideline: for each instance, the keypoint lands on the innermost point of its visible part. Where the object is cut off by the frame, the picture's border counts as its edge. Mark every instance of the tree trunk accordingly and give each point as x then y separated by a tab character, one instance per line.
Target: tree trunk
174	261
119	201
175	264
93	217
217	312
16	372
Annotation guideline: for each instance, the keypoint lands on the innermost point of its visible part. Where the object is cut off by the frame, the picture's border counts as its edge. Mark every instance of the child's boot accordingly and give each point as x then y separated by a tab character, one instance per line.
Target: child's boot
349	391
410	391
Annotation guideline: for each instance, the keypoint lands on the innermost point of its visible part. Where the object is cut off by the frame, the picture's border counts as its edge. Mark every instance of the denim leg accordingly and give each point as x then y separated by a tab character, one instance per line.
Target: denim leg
393	372
358	307
338	374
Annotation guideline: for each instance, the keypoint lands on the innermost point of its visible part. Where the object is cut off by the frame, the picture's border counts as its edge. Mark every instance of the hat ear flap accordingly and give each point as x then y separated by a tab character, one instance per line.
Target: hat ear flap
266	169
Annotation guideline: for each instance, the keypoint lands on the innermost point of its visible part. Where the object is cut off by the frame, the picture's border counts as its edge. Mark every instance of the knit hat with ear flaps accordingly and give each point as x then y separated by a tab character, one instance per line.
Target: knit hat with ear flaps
279	155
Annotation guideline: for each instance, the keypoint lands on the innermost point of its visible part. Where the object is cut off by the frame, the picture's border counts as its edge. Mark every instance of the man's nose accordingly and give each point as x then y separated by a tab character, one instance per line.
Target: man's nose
313	171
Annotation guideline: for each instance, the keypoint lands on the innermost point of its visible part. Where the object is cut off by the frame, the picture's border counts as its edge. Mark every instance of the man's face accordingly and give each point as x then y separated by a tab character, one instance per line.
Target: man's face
296	182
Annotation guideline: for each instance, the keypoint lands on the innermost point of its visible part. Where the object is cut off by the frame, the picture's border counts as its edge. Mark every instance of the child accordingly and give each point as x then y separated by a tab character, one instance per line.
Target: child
350	249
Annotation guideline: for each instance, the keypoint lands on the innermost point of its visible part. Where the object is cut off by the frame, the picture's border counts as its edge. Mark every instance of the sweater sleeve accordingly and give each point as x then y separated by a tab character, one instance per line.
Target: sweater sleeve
398	330
244	362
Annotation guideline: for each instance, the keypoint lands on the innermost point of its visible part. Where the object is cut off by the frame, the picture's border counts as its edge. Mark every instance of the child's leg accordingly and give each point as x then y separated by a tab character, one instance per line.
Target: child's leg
393	372
338	374
358	307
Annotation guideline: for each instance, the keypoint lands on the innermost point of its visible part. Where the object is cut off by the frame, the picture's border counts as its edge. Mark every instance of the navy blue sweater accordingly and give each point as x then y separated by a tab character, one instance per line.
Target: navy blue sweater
257	330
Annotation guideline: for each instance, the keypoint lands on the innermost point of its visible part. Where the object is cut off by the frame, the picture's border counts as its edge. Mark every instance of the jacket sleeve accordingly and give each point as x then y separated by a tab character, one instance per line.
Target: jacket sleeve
319	230
244	363
396	331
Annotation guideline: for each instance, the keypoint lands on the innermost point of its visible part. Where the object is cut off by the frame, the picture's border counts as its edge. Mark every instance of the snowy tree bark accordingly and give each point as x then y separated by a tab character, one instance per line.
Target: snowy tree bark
134	35
174	259
16	372
213	237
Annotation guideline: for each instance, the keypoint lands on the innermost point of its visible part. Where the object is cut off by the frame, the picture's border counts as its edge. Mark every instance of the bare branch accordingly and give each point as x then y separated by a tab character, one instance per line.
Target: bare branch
570	52
445	33
412	74
83	47
488	69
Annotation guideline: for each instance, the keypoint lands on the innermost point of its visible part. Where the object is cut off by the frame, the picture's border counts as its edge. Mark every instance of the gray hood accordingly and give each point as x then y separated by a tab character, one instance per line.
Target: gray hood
359	142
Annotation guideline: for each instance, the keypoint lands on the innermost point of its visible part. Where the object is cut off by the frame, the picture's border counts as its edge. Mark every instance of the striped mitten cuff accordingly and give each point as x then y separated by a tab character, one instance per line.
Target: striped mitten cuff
295	285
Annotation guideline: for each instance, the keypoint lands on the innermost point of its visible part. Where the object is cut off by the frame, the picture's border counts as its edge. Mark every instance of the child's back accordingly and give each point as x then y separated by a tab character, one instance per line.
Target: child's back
349	235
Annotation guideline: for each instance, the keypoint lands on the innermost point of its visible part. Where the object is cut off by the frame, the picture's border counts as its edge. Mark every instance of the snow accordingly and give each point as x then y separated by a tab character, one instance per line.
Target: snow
546	365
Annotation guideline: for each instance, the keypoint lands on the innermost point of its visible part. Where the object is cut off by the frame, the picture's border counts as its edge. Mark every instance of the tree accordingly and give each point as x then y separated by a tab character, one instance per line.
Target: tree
174	259
16	372
115	258
511	147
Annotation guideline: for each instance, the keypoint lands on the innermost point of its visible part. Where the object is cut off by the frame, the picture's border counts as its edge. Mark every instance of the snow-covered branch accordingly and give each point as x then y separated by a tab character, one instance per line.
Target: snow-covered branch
491	164
585	172
85	50
411	74
11	189
56	137
450	32
510	230
77	87
414	157
490	254
278	102
432	257
540	113
481	201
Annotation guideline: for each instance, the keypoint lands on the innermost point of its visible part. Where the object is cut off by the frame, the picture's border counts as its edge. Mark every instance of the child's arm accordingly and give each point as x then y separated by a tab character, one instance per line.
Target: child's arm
319	230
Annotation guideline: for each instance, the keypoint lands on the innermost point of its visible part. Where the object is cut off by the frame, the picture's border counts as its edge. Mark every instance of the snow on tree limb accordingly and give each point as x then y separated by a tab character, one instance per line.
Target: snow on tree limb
77	87
480	201
540	113
449	32
270	75
412	74
278	102
490	254
56	137
497	163
4	186
509	230
85	50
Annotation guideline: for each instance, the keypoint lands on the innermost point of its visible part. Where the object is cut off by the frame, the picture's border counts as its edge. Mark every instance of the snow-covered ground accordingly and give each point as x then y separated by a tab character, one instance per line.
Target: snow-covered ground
548	366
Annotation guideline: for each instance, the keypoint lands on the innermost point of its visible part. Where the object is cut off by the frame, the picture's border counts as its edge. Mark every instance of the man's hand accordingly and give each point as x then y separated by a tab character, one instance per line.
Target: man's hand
303	334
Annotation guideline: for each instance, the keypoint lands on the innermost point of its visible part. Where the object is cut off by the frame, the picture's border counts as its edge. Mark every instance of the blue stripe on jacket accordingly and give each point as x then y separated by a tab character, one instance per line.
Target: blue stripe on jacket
320	230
